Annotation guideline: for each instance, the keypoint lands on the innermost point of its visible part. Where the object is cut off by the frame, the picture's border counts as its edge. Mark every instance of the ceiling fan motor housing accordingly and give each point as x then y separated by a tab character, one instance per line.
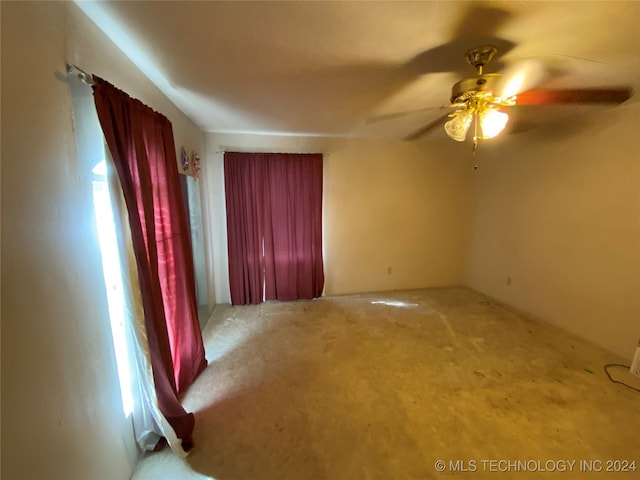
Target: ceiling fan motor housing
481	56
470	87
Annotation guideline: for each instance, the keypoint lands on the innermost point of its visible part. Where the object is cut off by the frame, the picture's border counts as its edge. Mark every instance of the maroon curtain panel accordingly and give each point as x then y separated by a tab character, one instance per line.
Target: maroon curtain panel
274	226
244	188
141	143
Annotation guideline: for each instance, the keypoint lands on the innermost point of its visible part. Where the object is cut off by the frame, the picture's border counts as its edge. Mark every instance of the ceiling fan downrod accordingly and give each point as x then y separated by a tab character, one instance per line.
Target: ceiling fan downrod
481	56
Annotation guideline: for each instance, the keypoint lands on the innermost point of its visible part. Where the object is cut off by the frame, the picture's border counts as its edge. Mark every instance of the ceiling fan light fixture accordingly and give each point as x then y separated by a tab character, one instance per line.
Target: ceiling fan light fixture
458	126
492	122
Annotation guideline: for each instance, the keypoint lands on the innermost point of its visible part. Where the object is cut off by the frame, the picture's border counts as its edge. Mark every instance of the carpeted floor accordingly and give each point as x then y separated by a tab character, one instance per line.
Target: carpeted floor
382	386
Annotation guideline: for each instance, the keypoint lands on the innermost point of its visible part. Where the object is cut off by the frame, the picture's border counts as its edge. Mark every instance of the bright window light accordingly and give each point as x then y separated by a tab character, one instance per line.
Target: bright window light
112	279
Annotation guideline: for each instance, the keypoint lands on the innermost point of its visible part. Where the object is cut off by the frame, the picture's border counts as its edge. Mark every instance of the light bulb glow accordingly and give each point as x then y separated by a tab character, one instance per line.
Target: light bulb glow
458	126
514	86
492	122
519	77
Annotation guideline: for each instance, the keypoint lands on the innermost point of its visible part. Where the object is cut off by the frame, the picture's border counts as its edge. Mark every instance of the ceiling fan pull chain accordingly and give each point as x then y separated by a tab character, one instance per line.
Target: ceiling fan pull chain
475	147
475	139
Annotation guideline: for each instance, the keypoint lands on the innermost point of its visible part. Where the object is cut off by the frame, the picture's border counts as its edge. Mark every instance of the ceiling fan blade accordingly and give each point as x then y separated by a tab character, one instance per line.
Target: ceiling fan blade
391	116
520	77
586	95
449	57
478	25
427	128
479	21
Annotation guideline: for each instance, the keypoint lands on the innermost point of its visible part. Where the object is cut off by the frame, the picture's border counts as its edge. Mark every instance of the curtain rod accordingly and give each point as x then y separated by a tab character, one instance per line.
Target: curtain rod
300	153
81	74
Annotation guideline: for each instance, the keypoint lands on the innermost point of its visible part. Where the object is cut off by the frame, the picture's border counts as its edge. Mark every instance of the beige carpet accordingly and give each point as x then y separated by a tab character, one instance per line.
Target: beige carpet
382	386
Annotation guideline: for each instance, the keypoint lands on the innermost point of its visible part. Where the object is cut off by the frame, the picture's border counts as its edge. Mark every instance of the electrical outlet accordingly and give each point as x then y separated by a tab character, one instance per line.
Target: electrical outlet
635	365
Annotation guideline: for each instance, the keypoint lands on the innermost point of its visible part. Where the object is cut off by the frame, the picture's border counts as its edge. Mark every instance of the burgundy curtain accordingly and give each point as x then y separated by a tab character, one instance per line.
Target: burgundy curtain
274	226
142	146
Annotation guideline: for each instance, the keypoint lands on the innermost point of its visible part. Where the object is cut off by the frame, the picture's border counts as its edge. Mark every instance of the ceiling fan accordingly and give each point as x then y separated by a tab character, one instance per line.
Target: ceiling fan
481	102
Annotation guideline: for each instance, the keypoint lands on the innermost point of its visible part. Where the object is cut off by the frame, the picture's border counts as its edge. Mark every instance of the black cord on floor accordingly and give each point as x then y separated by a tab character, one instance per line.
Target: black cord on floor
606	367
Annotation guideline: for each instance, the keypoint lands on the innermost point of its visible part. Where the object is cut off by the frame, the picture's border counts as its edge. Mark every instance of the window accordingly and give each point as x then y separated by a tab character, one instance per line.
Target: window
112	279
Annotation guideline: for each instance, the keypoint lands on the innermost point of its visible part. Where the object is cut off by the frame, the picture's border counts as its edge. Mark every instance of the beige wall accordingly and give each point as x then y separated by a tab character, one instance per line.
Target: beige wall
561	219
61	412
387	204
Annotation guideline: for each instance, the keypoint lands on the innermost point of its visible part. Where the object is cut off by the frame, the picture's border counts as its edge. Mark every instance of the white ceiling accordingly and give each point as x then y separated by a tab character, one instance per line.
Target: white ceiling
327	68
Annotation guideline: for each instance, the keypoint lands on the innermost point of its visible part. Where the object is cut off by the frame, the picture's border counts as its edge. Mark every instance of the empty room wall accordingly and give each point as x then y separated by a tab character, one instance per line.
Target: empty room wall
61	409
556	226
396	214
